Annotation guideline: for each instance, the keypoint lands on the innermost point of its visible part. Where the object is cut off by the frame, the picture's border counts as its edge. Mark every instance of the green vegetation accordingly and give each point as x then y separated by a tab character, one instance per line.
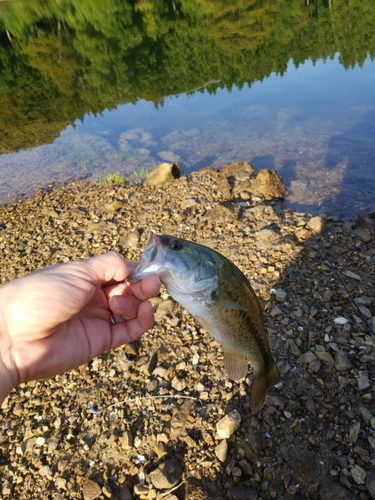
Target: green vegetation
60	59
113	178
135	177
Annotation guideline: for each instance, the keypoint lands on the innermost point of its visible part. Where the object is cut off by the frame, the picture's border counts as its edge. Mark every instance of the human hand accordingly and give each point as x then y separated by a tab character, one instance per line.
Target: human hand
59	317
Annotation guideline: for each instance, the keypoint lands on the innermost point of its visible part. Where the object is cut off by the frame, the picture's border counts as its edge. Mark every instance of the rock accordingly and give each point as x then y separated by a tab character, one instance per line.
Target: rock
355	276
280	295
341	362
306	358
178	384
305	467
353	432
168	156
331	490
366	415
242	492
363	380
228	425
124	492
151	363
364	235
219	214
358	474
269	184
316	224
107	491
221	451
239	170
370	482
130	240
91	490
163	173
167	474
164	308
114	206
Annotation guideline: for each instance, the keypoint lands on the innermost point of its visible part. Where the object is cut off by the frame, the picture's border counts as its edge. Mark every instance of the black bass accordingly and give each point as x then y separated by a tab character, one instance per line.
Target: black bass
218	295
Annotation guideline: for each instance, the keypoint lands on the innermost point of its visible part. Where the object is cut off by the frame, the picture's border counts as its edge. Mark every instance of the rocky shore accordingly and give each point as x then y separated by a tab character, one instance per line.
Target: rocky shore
145	421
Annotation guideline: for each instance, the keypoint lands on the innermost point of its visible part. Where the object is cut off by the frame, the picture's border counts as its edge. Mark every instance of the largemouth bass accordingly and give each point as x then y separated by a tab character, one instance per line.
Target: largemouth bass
218	295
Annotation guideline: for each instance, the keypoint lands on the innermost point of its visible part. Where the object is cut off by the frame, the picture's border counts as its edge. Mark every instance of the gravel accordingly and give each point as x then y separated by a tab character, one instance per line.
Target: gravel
140	422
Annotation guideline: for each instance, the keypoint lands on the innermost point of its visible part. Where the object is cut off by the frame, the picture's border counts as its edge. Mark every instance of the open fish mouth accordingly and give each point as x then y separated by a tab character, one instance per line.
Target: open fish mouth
149	263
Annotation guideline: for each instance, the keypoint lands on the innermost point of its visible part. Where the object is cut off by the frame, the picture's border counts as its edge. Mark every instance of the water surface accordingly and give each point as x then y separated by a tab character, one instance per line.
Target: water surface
270	97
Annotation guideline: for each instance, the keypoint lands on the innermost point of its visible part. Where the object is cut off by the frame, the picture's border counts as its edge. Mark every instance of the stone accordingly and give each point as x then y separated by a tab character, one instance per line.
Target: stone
316	224
363	380
332	490
353	432
341	362
167	474
370	482
228	425
280	295
168	156
114	206
358	474
107	491
130	240
150	364
242	492
364	235
163	173
366	415
178	384
91	490
221	451
355	276
124	492
269	184
238	170
305	467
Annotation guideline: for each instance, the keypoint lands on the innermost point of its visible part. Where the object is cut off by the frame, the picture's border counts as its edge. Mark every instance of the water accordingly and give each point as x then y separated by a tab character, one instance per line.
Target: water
315	124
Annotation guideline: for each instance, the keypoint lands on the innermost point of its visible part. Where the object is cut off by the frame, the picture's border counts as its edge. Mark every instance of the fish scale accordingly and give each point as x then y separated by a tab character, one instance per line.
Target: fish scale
219	296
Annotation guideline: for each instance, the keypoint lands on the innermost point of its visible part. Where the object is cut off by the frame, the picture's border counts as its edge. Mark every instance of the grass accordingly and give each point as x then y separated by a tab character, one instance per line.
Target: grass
118	178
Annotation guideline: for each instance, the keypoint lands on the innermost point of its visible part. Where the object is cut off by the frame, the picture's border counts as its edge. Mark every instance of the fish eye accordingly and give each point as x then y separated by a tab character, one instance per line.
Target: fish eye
175	245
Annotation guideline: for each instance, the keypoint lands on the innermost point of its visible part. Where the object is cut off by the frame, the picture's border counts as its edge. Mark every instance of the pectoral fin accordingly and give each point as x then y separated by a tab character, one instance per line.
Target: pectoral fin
235	365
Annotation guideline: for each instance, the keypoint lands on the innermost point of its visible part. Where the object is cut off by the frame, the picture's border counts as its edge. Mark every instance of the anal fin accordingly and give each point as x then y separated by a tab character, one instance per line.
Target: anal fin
235	365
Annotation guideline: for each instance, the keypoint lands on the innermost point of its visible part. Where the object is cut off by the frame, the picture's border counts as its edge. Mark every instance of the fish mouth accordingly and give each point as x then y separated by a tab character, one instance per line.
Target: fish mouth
149	263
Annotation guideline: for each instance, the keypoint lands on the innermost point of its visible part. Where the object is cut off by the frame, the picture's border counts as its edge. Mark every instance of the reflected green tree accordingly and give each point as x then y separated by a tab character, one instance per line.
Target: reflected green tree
60	59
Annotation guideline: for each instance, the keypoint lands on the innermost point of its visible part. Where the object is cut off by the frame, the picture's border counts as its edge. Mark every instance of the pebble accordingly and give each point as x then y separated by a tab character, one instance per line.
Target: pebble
363	380
167	474
221	451
316	224
358	474
370	481
332	490
305	467
91	490
341	362
228	425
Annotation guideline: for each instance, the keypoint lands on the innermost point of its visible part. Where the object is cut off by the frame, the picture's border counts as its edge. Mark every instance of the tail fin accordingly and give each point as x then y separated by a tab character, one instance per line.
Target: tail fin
261	383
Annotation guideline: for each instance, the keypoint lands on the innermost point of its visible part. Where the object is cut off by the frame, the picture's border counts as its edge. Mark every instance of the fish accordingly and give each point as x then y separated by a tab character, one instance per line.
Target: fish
220	298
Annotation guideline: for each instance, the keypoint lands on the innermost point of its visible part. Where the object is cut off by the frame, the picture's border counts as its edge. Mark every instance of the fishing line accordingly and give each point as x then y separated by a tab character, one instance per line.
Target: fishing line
333	268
